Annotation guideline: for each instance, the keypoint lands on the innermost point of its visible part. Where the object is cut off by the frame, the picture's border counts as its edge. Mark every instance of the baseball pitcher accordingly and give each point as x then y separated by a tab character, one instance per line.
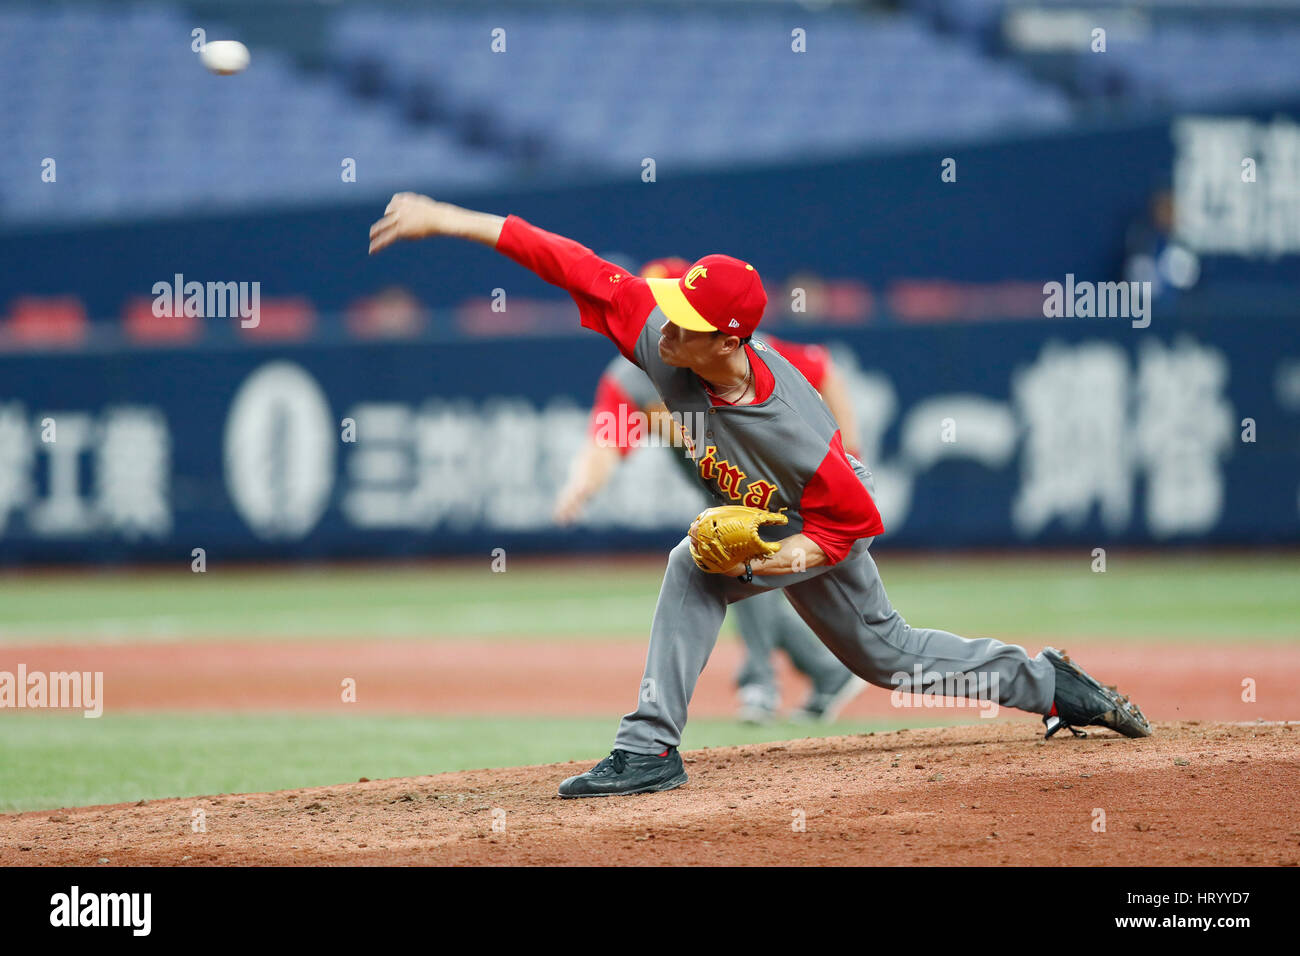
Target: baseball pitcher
794	510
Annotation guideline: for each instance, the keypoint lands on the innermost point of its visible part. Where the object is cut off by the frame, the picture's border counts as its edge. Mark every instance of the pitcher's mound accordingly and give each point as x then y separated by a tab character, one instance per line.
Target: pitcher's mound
985	794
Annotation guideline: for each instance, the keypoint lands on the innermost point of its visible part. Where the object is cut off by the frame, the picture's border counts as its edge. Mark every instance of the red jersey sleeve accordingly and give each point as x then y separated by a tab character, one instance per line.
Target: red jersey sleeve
613	406
810	360
837	510
610	300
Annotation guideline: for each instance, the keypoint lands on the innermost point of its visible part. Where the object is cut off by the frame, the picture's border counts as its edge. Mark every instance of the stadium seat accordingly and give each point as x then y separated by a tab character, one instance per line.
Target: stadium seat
38	321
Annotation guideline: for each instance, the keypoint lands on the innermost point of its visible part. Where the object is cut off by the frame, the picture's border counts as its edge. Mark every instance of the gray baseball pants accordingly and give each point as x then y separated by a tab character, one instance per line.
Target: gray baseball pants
846	606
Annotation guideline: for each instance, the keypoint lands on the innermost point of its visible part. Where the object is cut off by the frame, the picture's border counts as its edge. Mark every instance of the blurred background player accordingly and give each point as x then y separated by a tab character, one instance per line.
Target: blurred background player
767	623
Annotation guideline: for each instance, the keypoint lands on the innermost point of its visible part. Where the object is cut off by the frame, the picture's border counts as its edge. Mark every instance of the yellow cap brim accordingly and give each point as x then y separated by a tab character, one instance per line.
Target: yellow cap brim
668	296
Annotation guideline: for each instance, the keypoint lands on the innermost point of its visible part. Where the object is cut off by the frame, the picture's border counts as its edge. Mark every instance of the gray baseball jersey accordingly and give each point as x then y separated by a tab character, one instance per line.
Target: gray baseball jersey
762	455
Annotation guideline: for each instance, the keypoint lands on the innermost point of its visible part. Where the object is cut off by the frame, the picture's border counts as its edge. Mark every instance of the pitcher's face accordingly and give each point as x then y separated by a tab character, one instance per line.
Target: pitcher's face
682	348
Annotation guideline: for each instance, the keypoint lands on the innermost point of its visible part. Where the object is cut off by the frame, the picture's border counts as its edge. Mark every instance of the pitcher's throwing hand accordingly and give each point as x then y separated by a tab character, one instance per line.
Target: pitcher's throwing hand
412	216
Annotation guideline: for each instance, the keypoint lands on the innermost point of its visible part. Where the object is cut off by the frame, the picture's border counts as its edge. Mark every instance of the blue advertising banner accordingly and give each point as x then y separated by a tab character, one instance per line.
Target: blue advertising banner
1056	432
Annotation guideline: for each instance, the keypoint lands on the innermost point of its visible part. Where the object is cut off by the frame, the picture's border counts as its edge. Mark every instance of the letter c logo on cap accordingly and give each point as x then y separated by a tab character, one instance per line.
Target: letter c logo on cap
699	272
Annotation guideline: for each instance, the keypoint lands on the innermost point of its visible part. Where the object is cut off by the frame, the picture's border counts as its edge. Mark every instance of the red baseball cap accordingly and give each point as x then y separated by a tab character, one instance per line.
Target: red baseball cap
716	294
670	267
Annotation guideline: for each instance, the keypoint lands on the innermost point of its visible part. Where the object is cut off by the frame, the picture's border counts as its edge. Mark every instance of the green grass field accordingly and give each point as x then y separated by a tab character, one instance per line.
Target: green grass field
1154	598
56	760
53	760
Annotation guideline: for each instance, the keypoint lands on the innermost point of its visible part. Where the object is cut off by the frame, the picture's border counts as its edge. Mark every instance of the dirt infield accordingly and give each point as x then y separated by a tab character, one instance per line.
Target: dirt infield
1194	794
557	678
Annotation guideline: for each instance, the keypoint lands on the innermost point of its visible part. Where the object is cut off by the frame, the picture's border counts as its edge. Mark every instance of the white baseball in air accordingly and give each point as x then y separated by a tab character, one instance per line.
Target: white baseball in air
224	57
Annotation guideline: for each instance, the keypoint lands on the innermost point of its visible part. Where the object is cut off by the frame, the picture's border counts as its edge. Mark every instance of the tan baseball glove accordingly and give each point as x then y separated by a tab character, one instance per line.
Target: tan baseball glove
724	537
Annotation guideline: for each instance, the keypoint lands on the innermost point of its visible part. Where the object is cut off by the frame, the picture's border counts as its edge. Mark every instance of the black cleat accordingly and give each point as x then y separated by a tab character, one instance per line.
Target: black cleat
1081	701
624	772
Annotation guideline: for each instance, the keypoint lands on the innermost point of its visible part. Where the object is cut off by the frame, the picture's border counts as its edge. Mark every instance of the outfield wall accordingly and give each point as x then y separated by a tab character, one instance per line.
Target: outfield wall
1080	432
